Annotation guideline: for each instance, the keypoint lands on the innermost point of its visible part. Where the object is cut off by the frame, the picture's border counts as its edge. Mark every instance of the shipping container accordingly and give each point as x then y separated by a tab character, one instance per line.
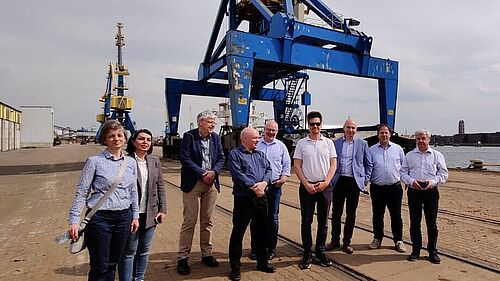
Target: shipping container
37	126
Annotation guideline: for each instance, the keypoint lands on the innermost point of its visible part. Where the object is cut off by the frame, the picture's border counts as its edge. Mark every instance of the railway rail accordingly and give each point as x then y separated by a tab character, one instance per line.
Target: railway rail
354	274
474	261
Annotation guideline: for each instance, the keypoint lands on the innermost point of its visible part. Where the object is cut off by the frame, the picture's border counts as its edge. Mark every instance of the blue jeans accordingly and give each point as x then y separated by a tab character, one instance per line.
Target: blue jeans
273	195
136	254
106	235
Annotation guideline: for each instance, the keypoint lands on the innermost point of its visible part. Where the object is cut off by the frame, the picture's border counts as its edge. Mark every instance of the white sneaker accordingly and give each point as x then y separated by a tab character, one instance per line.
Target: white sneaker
375	244
400	247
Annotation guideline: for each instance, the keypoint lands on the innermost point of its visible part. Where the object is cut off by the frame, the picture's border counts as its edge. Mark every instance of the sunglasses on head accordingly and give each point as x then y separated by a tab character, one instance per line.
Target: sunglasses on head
317	124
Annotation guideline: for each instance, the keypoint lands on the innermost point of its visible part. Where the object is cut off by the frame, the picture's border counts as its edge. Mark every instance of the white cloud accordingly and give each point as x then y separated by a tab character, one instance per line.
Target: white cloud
56	52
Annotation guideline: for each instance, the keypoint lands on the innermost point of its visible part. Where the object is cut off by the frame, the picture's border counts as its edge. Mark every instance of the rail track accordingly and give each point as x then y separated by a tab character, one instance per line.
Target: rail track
492	221
351	273
449	254
474	261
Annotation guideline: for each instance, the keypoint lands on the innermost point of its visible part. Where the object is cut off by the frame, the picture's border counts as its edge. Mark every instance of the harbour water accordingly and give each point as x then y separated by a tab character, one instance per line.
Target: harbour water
461	156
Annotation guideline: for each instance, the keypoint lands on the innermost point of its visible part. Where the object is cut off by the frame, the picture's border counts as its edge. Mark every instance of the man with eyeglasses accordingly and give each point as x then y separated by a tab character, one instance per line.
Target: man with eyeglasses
314	163
202	159
277	154
351	177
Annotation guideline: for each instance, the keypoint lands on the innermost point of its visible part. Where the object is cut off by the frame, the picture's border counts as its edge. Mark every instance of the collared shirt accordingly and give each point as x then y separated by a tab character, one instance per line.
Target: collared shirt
315	156
277	154
424	166
205	153
346	161
98	173
387	163
248	168
143	170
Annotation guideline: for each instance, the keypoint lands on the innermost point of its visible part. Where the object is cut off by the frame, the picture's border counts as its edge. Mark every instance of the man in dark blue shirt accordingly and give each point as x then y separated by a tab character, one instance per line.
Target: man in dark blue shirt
251	173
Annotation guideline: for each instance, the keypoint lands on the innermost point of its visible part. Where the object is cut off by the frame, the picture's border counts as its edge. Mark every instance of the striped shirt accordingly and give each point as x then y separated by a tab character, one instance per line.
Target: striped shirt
98	174
278	156
424	166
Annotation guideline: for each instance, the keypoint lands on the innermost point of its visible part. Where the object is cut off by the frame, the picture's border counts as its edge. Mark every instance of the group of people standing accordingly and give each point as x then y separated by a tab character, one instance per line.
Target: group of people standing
331	174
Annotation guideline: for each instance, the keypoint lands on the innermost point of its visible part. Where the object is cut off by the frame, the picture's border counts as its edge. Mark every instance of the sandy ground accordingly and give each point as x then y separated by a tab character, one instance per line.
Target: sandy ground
38	185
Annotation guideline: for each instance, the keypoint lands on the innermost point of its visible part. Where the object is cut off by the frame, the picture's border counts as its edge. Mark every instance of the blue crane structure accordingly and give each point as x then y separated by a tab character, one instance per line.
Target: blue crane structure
280	47
117	105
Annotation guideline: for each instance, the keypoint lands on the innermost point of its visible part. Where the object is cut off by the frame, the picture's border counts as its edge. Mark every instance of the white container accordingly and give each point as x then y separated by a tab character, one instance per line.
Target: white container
37	126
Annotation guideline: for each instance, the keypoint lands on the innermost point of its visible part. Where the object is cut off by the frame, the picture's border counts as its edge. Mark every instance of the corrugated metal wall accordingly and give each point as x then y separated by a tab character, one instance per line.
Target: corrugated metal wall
10	130
37	126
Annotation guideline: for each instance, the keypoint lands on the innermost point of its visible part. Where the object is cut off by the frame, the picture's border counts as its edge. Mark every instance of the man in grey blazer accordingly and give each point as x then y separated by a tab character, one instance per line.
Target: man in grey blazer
353	172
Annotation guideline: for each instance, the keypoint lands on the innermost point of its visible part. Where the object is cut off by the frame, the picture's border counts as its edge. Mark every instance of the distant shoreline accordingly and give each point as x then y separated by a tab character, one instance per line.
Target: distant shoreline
470	144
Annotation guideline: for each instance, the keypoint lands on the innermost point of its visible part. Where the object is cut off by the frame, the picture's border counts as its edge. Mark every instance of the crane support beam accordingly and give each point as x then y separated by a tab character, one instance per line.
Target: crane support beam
305	56
278	47
175	88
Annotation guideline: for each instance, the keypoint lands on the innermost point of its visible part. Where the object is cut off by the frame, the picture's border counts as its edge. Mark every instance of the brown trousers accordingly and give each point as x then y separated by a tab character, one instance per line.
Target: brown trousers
201	198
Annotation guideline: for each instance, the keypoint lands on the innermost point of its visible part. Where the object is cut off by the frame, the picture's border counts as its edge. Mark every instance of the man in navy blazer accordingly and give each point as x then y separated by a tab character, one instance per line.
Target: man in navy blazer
353	172
202	159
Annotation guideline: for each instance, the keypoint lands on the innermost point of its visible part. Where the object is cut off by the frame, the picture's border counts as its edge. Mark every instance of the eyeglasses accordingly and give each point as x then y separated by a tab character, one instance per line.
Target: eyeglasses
211	122
315	124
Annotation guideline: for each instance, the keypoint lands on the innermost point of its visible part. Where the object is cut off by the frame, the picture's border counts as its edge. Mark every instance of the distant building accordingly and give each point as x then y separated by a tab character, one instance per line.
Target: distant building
485	139
461	127
10	130
37	128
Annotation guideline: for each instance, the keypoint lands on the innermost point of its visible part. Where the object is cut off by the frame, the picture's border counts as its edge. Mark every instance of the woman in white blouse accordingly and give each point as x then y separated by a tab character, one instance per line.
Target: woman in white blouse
152	206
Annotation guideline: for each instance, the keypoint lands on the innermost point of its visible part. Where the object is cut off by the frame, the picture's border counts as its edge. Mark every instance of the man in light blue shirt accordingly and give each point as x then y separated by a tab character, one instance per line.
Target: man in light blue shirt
423	170
385	188
279	158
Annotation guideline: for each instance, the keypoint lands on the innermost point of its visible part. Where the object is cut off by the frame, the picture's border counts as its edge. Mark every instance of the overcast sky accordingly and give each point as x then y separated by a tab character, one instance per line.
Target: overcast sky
56	53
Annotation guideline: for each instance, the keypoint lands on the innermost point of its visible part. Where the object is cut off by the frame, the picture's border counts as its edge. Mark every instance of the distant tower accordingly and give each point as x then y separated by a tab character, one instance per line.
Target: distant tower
461	127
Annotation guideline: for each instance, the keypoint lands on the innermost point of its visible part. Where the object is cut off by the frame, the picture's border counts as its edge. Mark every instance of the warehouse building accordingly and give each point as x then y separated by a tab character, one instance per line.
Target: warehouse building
10	129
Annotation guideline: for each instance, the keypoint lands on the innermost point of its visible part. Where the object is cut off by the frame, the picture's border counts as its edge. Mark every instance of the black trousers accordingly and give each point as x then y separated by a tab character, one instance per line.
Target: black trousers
248	209
307	205
273	195
389	196
429	199
346	190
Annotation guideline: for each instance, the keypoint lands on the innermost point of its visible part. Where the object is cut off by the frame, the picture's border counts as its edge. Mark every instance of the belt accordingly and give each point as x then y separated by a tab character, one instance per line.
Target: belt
313	182
396	183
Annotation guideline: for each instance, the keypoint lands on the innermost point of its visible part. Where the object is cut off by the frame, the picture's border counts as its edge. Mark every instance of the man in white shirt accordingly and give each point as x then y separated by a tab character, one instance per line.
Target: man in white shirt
315	161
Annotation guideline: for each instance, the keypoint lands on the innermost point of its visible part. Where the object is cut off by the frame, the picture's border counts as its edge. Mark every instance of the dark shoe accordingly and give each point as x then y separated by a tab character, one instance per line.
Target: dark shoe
413	256
306	261
210	261
347	249
266	268
252	255
323	260
235	275
434	258
332	245
183	266
271	256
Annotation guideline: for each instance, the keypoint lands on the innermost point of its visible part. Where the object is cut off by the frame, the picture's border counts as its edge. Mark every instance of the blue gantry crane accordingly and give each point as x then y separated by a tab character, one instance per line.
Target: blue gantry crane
280	46
117	105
